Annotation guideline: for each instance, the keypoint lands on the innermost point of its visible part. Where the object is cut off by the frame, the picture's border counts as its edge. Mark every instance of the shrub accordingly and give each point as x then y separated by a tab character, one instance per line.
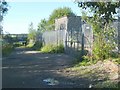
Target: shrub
38	45
17	44
107	84
59	48
30	45
7	49
53	48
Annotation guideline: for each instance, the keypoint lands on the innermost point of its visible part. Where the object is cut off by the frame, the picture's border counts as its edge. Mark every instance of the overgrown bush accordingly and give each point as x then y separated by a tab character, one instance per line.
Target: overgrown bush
7	49
104	43
37	46
53	48
104	39
107	84
17	44
30	45
84	62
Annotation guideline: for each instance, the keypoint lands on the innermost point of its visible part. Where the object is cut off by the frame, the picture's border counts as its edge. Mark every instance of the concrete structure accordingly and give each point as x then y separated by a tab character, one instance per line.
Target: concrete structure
68	23
75	27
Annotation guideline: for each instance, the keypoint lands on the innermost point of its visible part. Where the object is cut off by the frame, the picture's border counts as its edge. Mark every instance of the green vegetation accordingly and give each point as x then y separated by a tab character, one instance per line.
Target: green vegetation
47	25
42	26
98	74
52	48
37	46
104	33
17	44
104	39
104	10
7	49
30	45
107	84
57	13
32	33
60	12
4	5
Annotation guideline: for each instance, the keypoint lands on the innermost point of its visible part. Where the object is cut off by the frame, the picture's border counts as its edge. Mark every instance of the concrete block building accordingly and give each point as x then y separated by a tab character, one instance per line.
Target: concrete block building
68	23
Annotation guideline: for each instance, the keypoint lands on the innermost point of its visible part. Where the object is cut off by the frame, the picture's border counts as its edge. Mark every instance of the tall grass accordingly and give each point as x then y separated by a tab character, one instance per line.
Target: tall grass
52	48
7	49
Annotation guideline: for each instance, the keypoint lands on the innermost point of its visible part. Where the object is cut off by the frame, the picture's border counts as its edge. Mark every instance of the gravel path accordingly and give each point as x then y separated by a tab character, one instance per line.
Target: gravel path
28	69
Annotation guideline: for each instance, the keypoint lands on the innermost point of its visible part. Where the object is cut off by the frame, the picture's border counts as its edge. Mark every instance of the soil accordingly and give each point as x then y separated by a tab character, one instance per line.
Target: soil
25	68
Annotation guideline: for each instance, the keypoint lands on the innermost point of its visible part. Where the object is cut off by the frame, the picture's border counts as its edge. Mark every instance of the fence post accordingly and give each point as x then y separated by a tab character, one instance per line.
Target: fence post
119	31
82	47
77	41
65	41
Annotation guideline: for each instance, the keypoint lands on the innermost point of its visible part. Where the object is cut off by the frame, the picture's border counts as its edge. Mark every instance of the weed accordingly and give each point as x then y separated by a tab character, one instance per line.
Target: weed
7	49
37	46
52	48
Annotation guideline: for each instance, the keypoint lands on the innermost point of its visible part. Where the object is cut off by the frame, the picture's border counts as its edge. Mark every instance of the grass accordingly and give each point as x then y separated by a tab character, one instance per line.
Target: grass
37	46
94	75
17	44
52	48
115	57
7	49
30	45
84	62
107	84
88	69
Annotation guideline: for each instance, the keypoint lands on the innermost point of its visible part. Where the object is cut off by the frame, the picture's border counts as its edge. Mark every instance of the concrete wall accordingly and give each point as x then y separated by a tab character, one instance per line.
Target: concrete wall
61	23
68	23
74	23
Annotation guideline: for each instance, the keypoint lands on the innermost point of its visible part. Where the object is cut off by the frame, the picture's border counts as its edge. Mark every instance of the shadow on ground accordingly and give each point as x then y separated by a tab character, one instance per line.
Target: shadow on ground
27	69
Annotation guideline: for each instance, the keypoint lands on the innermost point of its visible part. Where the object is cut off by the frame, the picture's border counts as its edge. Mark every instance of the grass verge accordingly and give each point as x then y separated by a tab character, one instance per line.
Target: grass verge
52	48
7	49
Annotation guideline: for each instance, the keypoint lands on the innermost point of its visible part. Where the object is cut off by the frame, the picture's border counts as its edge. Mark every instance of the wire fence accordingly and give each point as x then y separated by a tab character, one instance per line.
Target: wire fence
72	40
53	37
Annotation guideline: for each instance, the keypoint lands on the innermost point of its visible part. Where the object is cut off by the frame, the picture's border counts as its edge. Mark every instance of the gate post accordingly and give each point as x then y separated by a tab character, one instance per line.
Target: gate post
82	48
119	34
119	30
65	45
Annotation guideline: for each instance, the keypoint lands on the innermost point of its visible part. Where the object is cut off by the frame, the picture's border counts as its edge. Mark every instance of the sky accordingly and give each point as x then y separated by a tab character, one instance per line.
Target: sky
22	13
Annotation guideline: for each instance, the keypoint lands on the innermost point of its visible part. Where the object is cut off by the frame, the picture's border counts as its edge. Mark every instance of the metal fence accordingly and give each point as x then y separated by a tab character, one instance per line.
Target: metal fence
72	40
79	40
53	37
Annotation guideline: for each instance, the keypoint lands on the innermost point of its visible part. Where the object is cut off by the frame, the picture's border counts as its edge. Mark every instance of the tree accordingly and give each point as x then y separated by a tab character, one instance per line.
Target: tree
102	9
42	26
3	7
60	12
101	24
3	10
57	13
32	33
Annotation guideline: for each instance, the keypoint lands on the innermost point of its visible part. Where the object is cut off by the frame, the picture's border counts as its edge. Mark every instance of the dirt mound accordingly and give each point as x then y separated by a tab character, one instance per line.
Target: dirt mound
109	65
106	67
111	68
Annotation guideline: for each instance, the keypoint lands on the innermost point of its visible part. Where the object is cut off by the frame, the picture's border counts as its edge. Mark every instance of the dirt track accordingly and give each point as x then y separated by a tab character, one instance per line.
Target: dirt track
27	69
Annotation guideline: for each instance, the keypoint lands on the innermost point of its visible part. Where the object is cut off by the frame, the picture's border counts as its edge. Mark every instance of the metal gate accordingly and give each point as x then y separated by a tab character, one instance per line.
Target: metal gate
79	41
